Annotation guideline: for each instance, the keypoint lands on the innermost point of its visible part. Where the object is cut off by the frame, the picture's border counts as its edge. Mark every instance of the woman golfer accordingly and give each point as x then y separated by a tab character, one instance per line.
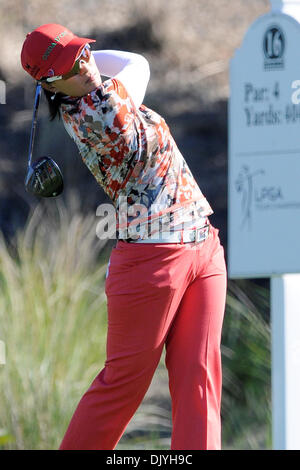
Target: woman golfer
166	282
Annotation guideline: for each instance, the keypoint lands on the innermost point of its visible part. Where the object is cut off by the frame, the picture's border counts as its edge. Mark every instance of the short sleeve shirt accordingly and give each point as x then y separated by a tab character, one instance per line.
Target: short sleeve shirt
135	159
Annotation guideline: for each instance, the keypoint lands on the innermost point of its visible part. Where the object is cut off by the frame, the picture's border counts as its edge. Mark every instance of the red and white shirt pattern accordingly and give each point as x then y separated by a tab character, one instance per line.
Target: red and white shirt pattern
135	159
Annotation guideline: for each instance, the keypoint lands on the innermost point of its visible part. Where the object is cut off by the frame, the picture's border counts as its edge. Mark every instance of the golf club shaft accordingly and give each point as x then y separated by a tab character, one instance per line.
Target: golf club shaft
34	120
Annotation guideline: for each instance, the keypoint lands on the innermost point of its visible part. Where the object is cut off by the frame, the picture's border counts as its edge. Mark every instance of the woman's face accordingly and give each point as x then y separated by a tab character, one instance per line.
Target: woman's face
80	84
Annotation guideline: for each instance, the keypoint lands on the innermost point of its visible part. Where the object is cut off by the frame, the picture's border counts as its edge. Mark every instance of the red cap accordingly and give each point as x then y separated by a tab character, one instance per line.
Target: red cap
50	50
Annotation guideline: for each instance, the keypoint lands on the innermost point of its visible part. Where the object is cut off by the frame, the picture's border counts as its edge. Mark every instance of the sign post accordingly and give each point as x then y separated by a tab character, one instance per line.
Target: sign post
285	312
264	192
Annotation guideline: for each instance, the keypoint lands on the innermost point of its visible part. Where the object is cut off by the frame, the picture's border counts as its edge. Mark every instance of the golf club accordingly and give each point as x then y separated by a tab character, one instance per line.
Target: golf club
43	177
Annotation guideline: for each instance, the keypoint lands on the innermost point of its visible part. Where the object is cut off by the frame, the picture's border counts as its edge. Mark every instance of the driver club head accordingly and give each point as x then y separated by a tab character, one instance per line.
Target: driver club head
44	178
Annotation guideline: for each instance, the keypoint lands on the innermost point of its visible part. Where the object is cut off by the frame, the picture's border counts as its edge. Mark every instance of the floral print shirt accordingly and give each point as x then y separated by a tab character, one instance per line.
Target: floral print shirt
133	156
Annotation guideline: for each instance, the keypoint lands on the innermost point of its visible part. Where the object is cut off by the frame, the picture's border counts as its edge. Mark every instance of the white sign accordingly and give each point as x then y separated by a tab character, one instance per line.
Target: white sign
264	150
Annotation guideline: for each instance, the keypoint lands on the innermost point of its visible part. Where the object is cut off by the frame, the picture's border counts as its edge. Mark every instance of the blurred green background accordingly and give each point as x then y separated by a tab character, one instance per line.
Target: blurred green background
52	265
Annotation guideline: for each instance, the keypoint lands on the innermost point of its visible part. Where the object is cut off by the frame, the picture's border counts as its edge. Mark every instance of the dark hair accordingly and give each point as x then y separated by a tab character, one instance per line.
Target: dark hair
53	104
59	98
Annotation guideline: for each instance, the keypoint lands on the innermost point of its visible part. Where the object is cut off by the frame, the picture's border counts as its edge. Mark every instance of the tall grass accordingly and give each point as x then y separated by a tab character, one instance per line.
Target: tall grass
52	320
53	323
246	357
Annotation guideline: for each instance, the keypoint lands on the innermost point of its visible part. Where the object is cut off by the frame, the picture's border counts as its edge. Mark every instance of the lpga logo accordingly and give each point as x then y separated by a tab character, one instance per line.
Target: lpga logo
244	184
2	92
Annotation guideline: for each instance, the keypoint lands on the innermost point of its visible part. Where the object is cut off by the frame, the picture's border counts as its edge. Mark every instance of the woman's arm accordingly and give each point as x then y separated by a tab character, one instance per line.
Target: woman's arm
130	68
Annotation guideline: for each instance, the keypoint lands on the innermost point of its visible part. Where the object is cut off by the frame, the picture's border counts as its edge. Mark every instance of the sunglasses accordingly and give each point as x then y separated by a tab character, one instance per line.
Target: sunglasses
83	57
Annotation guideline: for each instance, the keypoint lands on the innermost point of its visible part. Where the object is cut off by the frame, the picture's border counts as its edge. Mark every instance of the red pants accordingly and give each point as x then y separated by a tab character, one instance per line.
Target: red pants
159	294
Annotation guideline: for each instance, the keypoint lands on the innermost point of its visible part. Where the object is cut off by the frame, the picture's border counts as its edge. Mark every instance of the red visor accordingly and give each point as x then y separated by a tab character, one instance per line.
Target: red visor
50	50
